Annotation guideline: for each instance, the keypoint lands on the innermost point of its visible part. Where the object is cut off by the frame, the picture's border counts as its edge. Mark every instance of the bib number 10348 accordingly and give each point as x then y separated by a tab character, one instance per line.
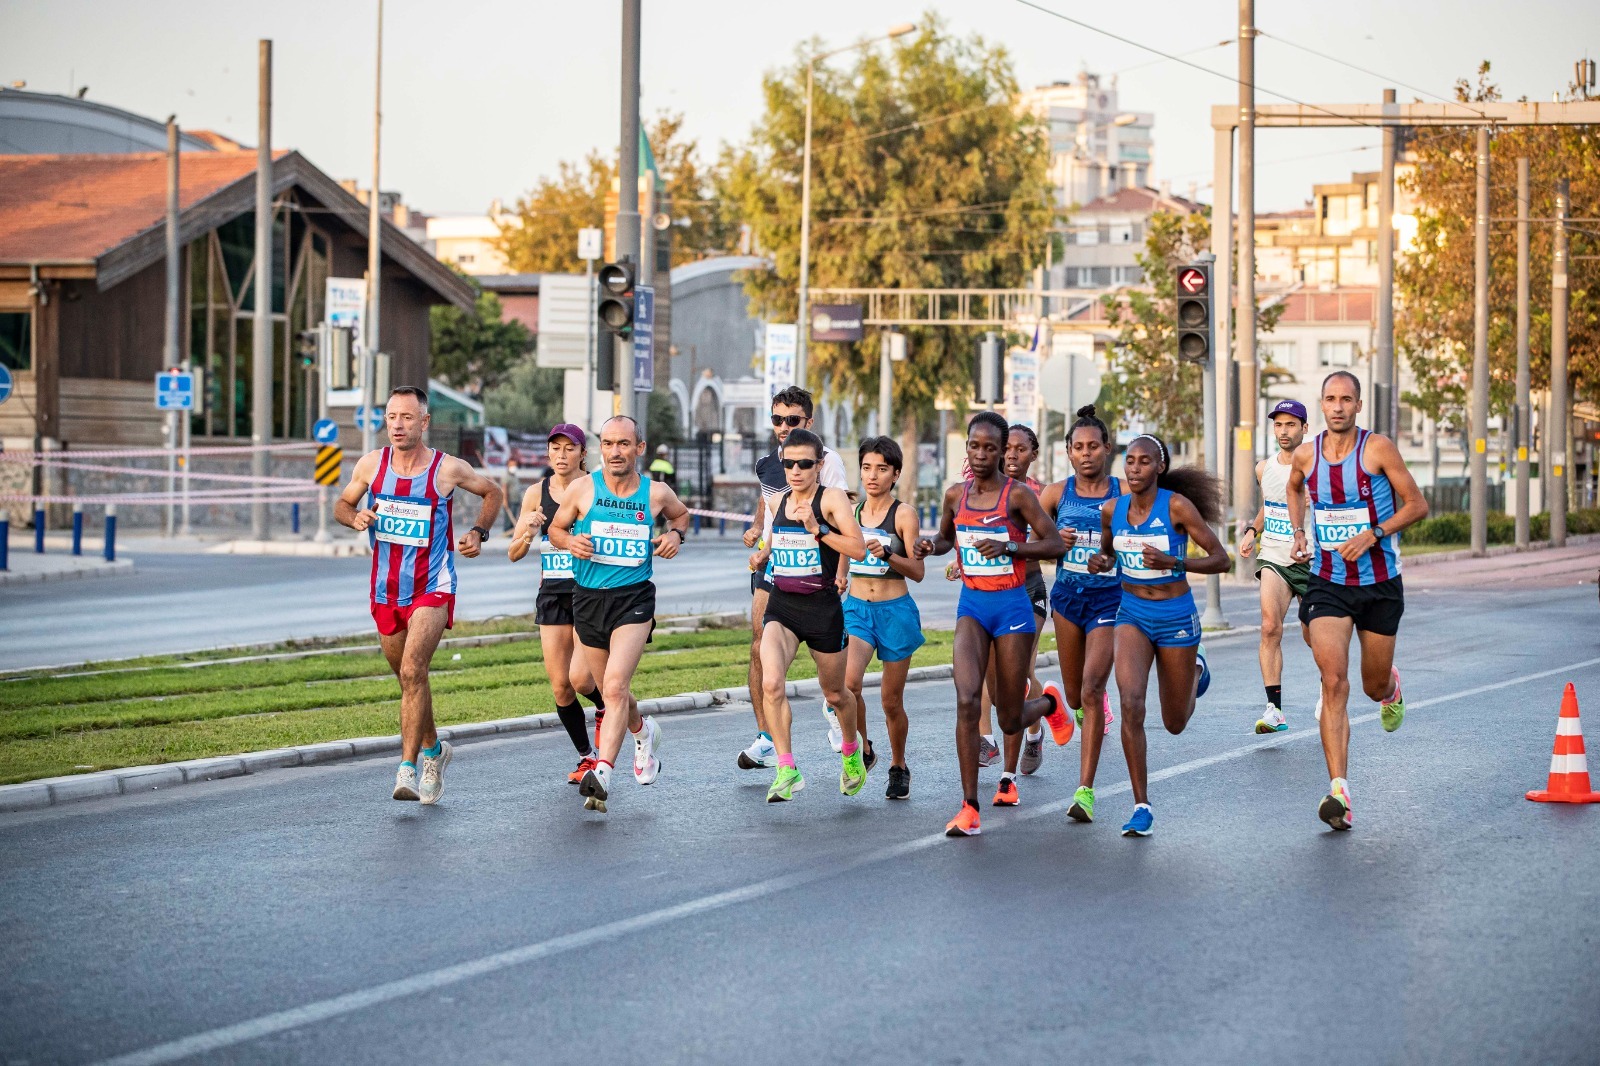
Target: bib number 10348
402	520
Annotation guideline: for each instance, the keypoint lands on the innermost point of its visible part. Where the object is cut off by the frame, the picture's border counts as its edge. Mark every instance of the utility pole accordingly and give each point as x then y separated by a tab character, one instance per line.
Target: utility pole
1524	419
1479	456
170	348
370	325
1385	418
1559	427
1222	285
1213	617
628	246
261	347
1244	452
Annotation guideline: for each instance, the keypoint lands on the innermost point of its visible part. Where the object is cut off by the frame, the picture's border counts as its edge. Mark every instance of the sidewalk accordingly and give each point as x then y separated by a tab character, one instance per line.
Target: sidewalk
25	566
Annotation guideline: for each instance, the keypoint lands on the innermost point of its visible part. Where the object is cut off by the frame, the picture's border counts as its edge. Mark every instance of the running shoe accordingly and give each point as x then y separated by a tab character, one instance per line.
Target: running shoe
432	786
645	745
585	764
1082	809
964	824
1272	721
594	788
405	783
1105	701
1142	823
1335	808
988	752
899	783
835	734
760	755
785	785
869	758
1006	794
1032	751
1393	712
599	716
1061	727
852	773
1205	671
1317	713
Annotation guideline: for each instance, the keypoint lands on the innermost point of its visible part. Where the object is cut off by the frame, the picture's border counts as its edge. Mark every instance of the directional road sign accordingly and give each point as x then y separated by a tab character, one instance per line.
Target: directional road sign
1192	280
644	339
326	431
325	471
174	391
369	418
5	383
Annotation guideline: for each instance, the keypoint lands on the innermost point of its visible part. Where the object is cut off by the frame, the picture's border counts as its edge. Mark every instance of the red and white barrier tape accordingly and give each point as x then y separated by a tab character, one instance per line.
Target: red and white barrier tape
729	515
268	495
51	457
139	471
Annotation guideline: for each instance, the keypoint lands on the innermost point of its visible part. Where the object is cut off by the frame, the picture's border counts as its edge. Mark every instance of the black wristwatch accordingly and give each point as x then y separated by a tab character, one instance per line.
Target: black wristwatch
483	534
1011	547
1378	533
679	532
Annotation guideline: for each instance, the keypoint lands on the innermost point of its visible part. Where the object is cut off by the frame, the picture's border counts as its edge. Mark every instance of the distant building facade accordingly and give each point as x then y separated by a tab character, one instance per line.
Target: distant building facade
1103	239
1095	147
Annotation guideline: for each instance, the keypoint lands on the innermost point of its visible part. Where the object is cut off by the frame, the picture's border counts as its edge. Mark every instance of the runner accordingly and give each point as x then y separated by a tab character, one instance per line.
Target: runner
564	663
402	495
1085	604
791	410
812	528
606	522
988	517
1353	479
1271	537
1149	532
880	614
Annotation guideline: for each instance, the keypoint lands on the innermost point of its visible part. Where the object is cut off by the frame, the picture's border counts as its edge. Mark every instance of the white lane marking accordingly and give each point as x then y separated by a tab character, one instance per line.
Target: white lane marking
323	1010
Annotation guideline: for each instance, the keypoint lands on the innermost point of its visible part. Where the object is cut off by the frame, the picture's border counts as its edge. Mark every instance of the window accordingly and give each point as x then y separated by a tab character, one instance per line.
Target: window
1100	277
1280	354
1336	353
16	344
465	258
1122	233
1087	236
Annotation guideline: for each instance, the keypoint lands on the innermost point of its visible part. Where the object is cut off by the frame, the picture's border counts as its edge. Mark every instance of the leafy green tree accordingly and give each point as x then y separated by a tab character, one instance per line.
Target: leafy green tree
529	399
473	350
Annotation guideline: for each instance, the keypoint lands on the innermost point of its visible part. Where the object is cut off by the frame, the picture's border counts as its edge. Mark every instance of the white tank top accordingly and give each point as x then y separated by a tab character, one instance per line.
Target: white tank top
1276	543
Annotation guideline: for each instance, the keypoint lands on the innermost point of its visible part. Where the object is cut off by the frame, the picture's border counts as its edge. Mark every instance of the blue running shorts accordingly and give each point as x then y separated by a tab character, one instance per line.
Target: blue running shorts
1086	606
1170	623
1002	614
892	627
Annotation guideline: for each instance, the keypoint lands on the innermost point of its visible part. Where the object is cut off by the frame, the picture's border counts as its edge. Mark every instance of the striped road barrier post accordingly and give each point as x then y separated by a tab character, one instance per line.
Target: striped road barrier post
77	529
111	532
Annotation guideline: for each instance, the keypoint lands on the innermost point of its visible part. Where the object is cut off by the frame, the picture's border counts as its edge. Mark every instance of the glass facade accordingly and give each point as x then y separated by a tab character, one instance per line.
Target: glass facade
16	345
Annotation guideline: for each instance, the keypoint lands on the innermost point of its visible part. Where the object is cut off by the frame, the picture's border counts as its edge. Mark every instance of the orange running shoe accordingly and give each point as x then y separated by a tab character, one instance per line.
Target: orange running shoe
599	716
964	824
1006	794
1061	727
585	764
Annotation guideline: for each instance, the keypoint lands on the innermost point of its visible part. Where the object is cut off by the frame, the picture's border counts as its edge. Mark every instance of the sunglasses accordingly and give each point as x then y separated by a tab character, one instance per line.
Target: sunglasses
799	464
792	421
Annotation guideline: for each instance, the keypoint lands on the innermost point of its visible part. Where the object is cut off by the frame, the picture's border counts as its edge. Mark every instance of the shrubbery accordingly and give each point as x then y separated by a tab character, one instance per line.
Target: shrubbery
1456	527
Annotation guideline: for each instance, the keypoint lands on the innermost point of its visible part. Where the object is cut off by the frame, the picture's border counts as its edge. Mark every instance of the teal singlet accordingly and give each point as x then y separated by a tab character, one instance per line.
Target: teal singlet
620	531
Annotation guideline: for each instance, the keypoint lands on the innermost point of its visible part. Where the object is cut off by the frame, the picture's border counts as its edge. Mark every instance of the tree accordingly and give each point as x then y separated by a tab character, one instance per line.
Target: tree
1434	282
528	400
473	350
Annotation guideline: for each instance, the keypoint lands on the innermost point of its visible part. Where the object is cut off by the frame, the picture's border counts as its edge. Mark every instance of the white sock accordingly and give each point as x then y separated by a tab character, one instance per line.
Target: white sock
1146	806
990	738
1035	733
1008	776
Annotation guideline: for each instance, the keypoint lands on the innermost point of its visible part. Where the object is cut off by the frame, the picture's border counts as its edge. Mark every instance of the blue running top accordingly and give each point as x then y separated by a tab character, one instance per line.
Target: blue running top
1157	530
620	533
1346	501
1082	515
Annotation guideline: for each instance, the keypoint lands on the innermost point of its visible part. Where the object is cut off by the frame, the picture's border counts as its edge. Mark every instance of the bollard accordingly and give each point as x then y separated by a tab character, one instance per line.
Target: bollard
695	528
38	530
77	529
722	526
5	543
294	518
111	532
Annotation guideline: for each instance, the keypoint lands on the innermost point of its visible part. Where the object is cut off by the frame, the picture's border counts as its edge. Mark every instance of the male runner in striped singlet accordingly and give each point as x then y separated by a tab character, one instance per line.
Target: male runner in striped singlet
401	495
1362	496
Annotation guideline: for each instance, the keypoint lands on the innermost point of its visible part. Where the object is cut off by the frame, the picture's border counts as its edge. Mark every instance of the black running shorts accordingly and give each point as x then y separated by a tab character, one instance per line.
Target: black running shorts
1373	608
1039	595
553	607
817	618
597	613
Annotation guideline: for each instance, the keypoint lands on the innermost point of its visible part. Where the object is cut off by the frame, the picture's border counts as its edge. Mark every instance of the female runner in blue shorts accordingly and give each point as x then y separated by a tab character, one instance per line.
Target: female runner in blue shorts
1149	533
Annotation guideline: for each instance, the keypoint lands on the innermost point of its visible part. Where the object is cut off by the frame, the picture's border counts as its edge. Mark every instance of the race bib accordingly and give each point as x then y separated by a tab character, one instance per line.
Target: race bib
795	553
872	566
1130	554
554	565
619	543
1335	525
1076	561
403	520
973	562
1276	526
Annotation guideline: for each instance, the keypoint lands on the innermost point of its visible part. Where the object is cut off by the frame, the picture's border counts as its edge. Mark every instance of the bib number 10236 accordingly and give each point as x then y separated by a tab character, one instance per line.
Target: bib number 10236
407	521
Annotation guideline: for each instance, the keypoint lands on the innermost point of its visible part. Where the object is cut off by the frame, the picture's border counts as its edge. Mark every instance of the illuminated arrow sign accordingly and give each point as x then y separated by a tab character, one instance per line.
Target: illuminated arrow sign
1192	281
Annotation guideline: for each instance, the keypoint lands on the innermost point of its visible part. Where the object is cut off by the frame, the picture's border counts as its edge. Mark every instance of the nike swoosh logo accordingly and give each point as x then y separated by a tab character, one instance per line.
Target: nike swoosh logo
1103	621
990	519
1018	626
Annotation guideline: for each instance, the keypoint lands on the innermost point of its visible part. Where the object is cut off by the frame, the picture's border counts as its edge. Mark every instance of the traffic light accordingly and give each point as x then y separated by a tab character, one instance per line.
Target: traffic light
616	298
1194	313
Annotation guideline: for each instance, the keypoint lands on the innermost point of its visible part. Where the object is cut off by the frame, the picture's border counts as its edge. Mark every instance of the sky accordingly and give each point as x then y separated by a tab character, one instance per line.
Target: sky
483	97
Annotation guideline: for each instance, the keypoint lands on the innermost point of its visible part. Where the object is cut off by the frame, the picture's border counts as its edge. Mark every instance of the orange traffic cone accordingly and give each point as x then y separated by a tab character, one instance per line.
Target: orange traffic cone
1569	770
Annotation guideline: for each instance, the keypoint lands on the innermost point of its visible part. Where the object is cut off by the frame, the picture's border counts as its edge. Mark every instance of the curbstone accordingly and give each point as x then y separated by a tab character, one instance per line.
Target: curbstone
809	687
83	787
524	724
471	729
257	761
731	695
375	745
212	769
313	754
145	778
28	796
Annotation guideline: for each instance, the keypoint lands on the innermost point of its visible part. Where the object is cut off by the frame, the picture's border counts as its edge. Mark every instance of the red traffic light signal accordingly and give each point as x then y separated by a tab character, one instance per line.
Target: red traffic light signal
1194	313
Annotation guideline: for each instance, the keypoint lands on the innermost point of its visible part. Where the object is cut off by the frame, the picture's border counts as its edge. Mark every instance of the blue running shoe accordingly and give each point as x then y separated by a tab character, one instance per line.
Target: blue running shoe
1205	671
1140	825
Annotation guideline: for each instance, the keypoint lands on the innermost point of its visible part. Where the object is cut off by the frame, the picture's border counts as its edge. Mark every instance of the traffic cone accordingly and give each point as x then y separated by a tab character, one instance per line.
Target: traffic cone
1569	770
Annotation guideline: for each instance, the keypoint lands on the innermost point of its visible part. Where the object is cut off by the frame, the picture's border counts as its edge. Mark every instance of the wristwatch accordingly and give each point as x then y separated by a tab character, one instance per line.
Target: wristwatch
679	532
483	534
1378	533
1011	547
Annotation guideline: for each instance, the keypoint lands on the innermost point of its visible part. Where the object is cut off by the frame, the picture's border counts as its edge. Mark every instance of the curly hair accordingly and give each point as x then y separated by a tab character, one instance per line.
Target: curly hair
1088	417
1191	482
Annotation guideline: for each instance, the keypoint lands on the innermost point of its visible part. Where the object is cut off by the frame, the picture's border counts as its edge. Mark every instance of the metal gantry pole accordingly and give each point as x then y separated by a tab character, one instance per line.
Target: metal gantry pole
1559	428
802	313
1384	372
371	335
1479	431
171	336
1523	420
1244	485
628	183
261	347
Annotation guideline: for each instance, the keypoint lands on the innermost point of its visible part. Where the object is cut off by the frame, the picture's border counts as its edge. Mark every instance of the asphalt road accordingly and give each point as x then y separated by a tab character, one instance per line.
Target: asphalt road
302	916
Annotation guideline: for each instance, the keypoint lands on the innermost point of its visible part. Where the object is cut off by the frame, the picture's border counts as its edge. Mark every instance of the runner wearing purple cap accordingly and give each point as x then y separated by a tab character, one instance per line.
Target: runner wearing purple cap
1270	537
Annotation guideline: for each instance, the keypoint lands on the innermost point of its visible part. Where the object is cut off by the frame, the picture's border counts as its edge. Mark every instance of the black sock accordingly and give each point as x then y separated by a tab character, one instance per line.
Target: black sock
1275	696
594	697
576	725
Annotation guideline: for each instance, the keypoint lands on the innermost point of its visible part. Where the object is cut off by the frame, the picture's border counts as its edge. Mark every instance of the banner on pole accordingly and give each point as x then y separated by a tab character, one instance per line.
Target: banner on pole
783	339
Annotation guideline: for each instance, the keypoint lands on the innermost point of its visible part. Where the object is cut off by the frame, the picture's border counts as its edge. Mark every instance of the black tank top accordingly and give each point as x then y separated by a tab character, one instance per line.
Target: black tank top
872	566
555	567
802	563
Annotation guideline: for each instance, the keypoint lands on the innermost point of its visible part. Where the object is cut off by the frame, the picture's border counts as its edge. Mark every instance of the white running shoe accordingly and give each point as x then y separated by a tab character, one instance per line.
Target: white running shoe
835	734
433	774
405	783
760	754
1272	721
595	788
645	743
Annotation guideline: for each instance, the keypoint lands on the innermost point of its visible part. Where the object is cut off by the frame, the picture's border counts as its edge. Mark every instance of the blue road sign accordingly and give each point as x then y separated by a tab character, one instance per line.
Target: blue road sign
5	383
326	431
369	418
644	339
174	391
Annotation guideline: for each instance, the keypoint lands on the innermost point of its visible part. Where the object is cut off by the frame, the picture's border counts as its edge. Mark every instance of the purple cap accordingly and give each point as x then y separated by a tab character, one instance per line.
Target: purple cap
1289	407
575	435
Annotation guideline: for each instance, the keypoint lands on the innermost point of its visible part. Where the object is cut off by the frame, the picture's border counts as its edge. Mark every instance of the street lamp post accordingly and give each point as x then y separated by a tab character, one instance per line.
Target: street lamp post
805	196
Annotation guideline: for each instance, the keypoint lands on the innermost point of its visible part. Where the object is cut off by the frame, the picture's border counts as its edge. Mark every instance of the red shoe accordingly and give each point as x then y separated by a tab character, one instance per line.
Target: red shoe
1006	794
1061	727
599	716
964	824
585	764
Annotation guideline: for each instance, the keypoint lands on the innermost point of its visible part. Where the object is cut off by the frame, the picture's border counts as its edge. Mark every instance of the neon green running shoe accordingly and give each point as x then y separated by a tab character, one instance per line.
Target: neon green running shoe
1082	809
852	773
785	785
1393	712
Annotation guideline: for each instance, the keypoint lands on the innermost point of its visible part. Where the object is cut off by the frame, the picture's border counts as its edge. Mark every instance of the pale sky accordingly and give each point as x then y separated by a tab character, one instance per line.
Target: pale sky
481	97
